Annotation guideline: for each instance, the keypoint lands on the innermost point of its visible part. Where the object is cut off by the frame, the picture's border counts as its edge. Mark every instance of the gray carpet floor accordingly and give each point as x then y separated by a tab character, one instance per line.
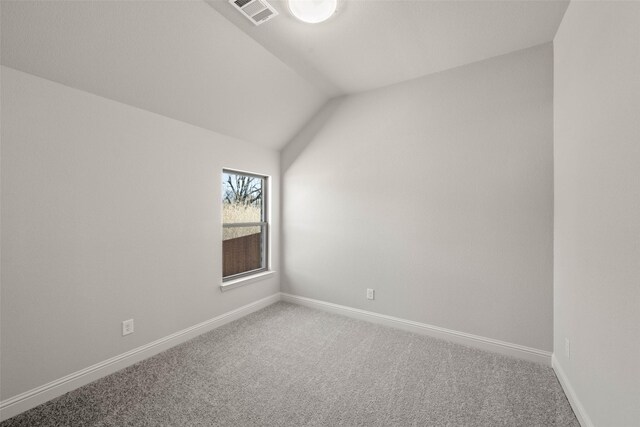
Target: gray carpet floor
288	365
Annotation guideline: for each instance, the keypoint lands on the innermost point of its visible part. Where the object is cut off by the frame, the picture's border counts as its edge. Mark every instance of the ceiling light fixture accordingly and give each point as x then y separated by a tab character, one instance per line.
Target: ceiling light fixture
312	11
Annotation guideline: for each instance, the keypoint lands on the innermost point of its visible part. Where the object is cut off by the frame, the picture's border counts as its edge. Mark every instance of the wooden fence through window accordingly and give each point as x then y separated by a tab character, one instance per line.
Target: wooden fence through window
241	254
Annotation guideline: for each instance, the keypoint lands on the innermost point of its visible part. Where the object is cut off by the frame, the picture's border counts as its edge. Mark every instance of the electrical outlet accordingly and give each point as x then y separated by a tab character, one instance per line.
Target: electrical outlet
567	348
127	327
370	294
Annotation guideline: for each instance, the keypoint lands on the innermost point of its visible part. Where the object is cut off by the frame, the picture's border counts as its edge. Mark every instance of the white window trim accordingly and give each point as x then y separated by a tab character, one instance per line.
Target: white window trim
263	273
241	281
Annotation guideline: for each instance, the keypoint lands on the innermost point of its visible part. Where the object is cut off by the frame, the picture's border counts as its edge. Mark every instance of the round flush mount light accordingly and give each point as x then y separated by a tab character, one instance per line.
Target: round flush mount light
313	11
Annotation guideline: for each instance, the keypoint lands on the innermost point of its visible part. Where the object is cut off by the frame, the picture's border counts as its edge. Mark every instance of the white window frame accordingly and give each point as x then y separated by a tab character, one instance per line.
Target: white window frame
263	272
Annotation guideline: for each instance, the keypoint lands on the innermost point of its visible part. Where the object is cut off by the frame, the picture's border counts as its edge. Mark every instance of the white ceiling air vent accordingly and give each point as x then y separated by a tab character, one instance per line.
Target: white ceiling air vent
256	11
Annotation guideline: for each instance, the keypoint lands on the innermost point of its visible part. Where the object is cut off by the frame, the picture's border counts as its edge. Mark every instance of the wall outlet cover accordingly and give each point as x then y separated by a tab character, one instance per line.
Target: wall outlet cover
127	327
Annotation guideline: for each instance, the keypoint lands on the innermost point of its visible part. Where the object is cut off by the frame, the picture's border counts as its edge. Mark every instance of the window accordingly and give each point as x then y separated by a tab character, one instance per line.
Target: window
244	224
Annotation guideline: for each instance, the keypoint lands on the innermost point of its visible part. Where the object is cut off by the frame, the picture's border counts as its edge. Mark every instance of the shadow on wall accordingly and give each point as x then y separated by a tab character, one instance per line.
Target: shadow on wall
297	146
308	133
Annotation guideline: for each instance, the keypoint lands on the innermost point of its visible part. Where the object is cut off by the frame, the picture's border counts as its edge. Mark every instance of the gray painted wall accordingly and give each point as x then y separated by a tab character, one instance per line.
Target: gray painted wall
597	208
437	193
109	212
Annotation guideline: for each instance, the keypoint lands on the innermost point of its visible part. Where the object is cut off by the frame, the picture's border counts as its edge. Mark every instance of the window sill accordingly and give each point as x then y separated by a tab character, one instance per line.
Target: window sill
231	284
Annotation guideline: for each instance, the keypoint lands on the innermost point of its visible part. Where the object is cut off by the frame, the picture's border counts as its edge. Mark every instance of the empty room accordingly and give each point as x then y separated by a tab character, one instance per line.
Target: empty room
320	213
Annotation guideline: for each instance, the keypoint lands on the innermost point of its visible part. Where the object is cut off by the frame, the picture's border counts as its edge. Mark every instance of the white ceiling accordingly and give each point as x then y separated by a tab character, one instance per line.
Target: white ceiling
202	62
373	43
181	59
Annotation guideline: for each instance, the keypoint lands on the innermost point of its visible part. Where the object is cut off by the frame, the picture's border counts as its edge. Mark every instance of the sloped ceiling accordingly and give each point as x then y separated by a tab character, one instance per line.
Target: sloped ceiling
201	62
181	59
369	44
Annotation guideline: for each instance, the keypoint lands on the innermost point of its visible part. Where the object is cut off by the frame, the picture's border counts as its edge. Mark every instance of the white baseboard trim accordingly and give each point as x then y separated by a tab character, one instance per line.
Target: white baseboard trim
488	344
32	398
578	409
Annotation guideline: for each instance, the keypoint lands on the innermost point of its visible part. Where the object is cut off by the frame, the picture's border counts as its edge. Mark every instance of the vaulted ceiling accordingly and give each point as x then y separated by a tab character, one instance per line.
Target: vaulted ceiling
373	43
202	62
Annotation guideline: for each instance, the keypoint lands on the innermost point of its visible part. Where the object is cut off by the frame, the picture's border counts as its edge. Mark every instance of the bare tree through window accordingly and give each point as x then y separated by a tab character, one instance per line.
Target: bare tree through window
242	189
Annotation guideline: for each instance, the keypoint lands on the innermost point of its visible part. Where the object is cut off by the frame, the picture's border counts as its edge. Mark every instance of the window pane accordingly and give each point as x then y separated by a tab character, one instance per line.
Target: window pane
242	198
238	212
243	249
244	231
235	232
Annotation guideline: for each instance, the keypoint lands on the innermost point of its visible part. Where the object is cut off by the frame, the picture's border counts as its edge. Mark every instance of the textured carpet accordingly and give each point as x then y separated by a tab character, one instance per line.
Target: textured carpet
288	365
